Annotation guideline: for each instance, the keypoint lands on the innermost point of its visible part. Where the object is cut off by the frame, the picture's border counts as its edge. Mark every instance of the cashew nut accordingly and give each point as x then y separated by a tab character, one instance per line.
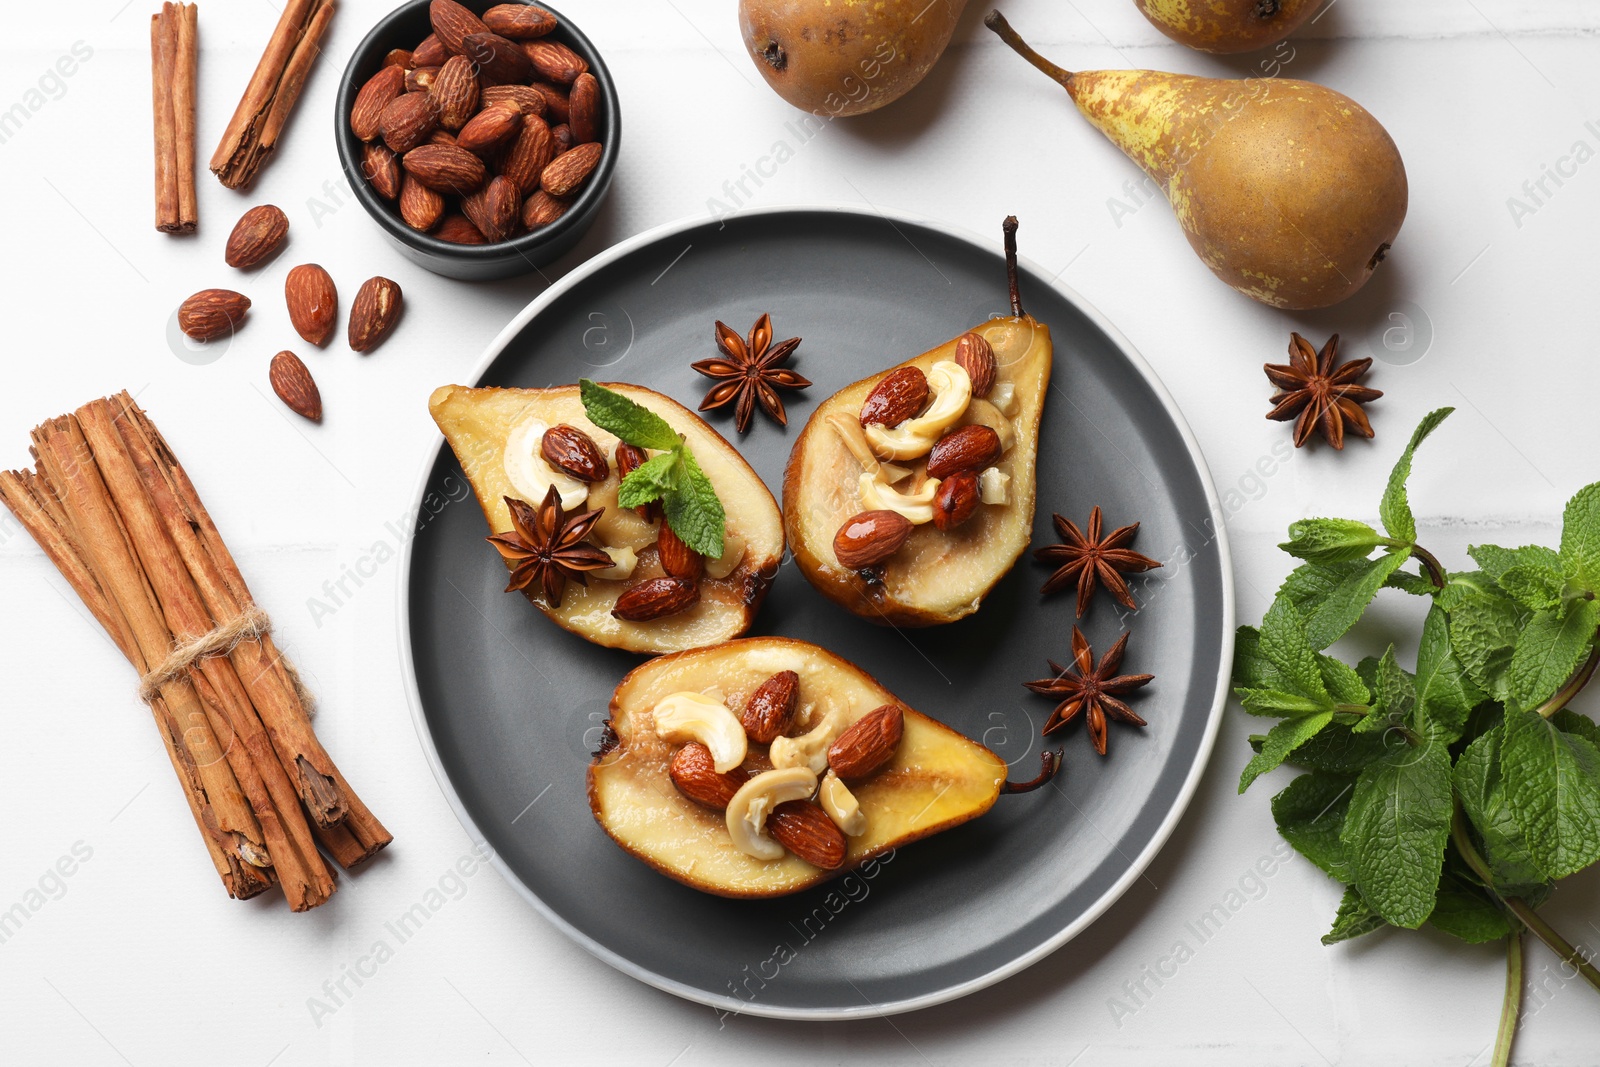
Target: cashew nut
842	806
623	560
748	810
952	390
697	717
994	486
854	437
916	505
809	750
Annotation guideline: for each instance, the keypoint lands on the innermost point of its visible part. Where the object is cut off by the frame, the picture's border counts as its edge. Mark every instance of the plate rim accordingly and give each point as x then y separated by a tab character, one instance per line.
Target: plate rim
731	1005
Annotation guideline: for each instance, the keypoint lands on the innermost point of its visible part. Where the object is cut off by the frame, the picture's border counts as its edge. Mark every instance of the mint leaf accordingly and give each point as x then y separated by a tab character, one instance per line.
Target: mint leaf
649	481
1355	918
1395	831
1531	575
1552	783
1346	601
1462	585
1465	911
1251	668
1339	750
1281	740
1309	584
1580	538
1285	646
1483	799
1331	540
1445	695
634	423
1549	650
1415	584
1344	684
1568	721
1484	628
1271	702
1396	697
1310	816
1395	509
695	513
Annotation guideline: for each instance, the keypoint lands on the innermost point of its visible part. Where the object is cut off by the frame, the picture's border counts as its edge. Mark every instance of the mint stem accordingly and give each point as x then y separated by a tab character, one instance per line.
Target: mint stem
1431	562
1574	686
1511	1006
1518	907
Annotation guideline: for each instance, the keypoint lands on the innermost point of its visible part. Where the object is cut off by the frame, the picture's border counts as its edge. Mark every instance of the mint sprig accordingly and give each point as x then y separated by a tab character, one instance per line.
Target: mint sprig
1456	794
689	502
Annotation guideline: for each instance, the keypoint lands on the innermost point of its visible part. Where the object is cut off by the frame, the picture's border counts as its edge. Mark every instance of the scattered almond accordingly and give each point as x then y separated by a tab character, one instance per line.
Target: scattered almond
374	313
257	236
313	302
294	386
210	313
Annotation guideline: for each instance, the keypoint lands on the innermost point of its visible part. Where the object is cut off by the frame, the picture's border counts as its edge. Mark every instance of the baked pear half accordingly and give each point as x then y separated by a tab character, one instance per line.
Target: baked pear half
909	494
765	766
538	447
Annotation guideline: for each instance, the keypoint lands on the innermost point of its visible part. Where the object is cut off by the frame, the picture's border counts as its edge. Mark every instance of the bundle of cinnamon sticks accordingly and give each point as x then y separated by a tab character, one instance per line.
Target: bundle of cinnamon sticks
114	510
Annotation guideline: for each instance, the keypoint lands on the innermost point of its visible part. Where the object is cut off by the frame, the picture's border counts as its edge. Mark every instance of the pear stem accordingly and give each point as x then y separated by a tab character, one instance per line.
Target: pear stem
1010	228
997	22
1049	764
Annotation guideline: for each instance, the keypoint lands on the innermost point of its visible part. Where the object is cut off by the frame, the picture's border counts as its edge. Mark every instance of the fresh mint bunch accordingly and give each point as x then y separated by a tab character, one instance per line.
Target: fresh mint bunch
688	500
1457	793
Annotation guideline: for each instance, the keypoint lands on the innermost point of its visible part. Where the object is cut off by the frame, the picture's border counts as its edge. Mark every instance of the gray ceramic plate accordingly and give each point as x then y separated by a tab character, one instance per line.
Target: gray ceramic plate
508	706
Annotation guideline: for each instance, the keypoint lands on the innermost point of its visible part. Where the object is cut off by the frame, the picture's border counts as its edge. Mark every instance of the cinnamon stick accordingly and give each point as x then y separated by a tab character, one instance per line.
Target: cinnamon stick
173	56
258	122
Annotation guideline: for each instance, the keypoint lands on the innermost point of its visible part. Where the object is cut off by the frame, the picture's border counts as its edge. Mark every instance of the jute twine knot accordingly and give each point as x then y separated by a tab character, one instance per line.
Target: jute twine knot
251	624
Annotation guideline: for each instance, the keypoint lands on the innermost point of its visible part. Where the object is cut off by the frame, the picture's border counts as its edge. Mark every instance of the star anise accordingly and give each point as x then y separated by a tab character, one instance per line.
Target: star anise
1092	691
1310	387
1090	558
548	544
753	373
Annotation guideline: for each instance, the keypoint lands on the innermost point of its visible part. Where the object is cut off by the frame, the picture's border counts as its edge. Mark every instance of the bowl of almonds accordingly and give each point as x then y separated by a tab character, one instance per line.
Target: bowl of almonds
482	137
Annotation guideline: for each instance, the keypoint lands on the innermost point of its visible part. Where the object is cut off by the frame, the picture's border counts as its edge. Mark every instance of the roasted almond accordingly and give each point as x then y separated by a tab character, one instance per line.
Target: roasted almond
554	61
967	448
677	558
570	169
422	79
366	114
526	97
257	236
374	313
557	105
770	709
629	457
382	169
408	120
491	127
458	229
210	313
975	356
430	53
562	133
583	104
870	538
569	449
456	92
519	21
541	209
313	302
420	206
501	212
898	397
453	24
695	774
868	744
655	598
955	500
294	386
445	168
499	61
442	136
399	57
530	153
805	829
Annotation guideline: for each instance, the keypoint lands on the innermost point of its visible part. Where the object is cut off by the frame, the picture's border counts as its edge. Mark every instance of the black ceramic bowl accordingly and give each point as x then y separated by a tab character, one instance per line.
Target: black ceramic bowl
405	27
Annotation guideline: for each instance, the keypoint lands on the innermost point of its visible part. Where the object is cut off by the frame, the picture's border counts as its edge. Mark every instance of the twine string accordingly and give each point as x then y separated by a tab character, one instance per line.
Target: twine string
249	625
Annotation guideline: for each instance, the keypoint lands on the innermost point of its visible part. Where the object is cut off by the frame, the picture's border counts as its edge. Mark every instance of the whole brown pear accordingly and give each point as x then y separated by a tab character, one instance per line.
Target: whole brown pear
1228	25
1290	192
846	57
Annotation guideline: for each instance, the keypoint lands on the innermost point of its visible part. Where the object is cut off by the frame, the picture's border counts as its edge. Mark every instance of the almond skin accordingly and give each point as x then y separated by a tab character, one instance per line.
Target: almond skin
677	558
455	91
898	397
458	229
629	457
430	53
870	538
452	24
975	356
445	168
557	106
530	153
374	313
655	598
583	104
366	113
526	97
502	209
569	449
695	774
519	22
868	744
770	709
313	303
805	829
408	120
554	61
493	126
500	62
541	209
382	169
956	500
563	137
570	169
294	386
211	313
968	448
420	206
257	236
